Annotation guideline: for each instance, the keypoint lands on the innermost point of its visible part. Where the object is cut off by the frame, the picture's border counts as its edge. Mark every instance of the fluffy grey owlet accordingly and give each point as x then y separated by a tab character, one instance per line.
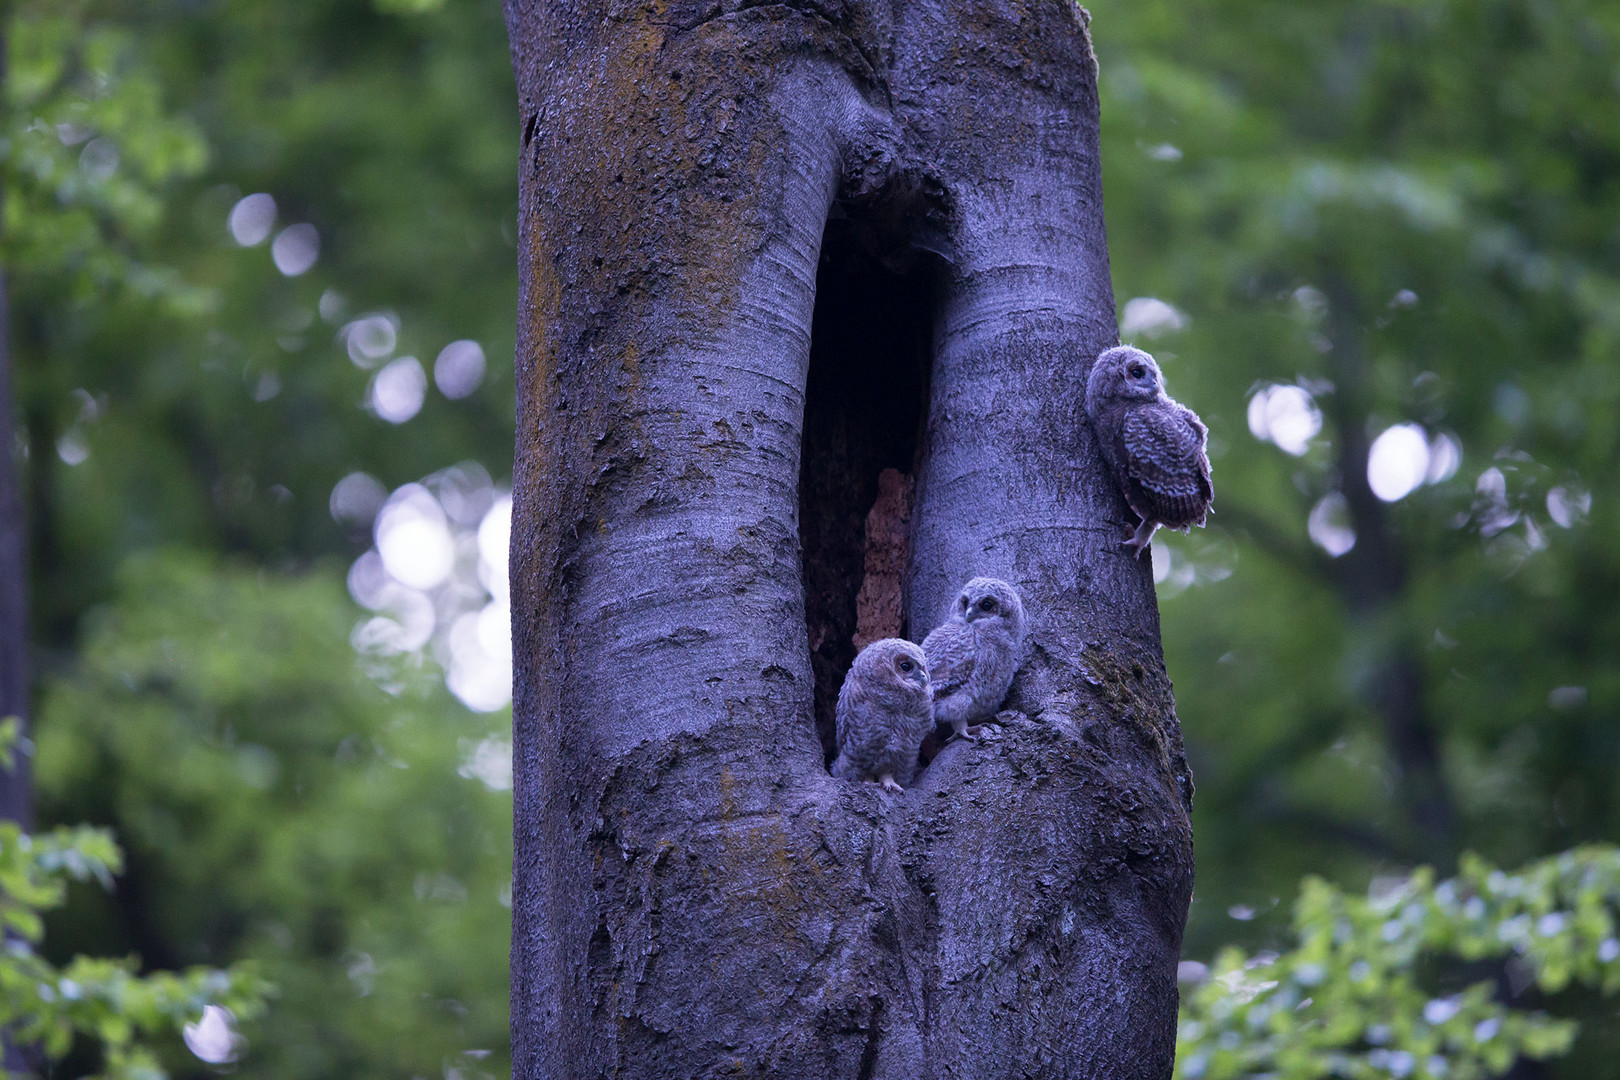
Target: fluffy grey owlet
974	653
884	710
1153	445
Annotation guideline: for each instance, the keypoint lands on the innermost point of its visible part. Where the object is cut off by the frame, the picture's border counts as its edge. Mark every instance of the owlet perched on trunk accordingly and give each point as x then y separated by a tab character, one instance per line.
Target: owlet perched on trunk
1153	445
973	655
884	710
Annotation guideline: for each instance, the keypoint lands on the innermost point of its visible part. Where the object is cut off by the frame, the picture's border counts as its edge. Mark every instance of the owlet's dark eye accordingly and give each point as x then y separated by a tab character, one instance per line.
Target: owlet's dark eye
987	604
1137	371
907	666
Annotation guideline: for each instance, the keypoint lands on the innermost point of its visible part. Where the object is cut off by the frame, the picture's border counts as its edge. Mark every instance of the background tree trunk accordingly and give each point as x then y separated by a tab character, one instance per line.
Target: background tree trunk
728	330
16	801
16	787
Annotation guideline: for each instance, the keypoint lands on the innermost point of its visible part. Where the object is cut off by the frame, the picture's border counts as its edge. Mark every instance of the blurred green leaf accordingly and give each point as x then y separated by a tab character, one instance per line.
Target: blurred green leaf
104	1000
284	805
1355	997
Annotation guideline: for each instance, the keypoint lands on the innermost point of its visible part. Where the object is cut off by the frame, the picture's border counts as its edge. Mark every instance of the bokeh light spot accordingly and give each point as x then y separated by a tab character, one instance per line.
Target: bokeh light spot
368	580
73	448
1398	462
1311	301
1445	457
480	670
489	761
252	218
1329	525
414	539
459	369
1568	505
295	249
1173	570
1148	316
1286	416
440	548
1491	507
370	338
465	491
494	536
213	1038
1161	562
398	390
356	498
407	626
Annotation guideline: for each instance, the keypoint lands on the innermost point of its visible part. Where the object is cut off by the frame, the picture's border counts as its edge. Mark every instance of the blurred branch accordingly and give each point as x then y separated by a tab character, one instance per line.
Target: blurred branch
1363	837
1311	734
1300	557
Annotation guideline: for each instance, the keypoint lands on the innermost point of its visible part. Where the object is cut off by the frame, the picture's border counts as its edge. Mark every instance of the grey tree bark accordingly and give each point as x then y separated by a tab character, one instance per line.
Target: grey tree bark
767	253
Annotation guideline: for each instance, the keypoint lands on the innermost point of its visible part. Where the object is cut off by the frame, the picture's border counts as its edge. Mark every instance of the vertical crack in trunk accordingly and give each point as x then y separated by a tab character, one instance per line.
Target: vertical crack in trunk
871	345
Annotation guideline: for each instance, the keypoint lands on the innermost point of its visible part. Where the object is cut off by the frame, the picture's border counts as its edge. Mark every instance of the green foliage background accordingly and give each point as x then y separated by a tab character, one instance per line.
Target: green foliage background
1410	209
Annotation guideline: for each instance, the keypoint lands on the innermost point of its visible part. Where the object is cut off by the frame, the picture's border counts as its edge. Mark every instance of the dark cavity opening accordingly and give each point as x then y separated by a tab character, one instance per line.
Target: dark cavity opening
866	401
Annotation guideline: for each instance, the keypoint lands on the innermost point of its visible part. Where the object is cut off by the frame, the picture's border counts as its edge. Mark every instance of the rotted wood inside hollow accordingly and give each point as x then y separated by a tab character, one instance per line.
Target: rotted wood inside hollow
880	605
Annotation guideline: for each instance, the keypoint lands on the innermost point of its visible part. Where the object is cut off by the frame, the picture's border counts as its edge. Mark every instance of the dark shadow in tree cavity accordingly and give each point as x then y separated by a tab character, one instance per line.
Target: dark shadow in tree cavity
865	405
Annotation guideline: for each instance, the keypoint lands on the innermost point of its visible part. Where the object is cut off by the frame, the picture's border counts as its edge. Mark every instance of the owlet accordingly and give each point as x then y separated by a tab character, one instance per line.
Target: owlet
1153	445
974	653
884	710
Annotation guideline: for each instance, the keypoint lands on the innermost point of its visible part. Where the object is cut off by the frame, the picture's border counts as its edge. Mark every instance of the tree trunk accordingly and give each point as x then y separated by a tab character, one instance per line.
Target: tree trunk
16	783
16	796
767	254
1372	578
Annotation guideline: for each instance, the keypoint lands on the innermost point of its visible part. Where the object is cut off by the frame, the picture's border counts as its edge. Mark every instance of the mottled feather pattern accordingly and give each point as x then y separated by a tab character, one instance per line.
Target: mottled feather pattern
1154	446
952	660
973	655
1166	464
885	709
